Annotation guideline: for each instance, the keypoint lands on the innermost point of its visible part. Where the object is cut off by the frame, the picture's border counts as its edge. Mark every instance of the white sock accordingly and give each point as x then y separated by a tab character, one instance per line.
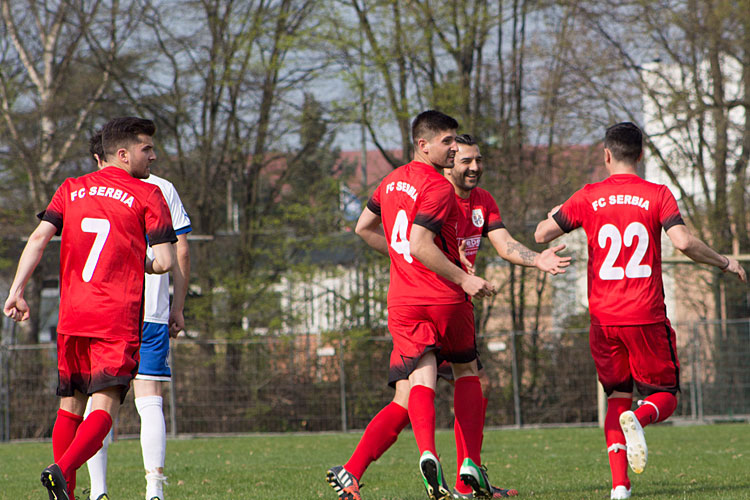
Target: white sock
153	442
97	464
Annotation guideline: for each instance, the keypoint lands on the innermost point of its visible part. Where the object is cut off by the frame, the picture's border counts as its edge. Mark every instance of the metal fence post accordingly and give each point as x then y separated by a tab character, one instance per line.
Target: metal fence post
694	371
342	386
699	374
516	382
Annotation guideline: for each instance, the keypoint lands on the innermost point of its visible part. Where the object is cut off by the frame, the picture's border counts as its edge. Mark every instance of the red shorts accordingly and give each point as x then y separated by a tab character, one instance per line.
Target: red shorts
89	364
646	354
447	329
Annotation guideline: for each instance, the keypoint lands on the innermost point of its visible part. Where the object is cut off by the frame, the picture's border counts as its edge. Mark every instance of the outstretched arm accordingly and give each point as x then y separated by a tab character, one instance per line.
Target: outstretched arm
515	252
369	229
698	251
15	306
548	229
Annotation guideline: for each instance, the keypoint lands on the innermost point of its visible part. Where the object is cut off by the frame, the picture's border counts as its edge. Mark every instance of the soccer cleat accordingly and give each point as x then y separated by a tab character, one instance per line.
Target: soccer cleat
635	440
343	483
54	481
475	477
432	474
103	496
619	493
496	493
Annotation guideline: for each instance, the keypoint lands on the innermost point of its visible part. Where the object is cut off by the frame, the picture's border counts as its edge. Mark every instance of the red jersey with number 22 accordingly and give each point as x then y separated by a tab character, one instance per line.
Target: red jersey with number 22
417	194
104	218
623	217
480	215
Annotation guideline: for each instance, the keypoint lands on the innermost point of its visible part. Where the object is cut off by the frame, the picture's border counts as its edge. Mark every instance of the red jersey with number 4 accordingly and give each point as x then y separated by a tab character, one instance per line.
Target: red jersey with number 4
104	219
623	217
479	216
417	194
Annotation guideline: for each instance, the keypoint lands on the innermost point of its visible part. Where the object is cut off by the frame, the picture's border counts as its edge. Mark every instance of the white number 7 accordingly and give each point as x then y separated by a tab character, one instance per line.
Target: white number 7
101	228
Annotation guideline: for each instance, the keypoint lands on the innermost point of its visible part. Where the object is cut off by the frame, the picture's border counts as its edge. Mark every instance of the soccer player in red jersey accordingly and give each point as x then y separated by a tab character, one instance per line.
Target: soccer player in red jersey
412	217
481	217
630	337
105	219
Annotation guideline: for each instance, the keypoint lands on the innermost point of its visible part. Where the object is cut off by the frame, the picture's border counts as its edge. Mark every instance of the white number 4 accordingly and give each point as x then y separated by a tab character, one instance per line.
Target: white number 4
634	268
101	228
399	241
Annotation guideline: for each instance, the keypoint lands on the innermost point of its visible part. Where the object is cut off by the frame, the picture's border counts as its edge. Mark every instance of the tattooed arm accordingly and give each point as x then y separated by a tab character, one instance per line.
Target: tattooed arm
513	251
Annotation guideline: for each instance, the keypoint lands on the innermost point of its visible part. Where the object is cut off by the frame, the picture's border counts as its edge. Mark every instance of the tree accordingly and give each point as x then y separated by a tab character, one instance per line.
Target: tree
49	89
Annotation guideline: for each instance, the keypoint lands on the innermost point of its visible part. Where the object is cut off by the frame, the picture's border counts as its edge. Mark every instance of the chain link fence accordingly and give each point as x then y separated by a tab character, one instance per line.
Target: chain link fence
329	383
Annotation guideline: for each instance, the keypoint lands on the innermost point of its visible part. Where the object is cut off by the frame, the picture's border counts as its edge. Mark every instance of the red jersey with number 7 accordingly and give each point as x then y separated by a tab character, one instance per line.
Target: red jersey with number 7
417	194
104	219
623	217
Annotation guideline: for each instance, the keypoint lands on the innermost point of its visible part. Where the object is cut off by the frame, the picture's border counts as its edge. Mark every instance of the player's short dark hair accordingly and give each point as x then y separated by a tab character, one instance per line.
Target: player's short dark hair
124	131
466	140
96	147
625	141
429	123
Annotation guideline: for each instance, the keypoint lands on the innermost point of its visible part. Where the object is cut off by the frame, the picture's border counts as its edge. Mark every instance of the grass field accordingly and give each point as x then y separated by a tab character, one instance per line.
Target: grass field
694	462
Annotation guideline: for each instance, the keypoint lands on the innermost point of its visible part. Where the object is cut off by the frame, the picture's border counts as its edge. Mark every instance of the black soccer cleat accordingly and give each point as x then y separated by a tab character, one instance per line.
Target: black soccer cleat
54	481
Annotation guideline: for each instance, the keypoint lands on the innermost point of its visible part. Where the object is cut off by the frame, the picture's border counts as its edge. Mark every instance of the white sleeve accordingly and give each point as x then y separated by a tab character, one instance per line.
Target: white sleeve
180	219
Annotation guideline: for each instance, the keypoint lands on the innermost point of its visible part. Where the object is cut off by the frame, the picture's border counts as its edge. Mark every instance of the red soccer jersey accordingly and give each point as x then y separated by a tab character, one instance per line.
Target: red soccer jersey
479	216
104	218
623	217
417	194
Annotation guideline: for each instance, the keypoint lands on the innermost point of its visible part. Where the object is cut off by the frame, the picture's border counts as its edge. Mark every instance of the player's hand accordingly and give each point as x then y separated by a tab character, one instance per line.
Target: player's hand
466	262
16	308
477	287
176	323
734	267
549	262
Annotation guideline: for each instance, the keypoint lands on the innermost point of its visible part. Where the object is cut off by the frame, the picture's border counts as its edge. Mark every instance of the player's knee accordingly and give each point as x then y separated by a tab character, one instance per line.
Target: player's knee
401	397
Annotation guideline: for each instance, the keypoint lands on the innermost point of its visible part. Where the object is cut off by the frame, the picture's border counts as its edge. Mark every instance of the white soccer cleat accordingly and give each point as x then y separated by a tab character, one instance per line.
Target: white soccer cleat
619	493
635	440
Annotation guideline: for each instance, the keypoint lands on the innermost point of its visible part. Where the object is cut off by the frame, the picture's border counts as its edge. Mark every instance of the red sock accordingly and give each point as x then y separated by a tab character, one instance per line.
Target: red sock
484	417
86	443
63	433
618	457
461	449
467	405
381	433
656	408
422	416
460	455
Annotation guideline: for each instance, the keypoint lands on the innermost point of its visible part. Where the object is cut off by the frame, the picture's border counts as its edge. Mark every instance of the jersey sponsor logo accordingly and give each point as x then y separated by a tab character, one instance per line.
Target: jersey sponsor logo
477	217
620	199
108	192
473	242
403	187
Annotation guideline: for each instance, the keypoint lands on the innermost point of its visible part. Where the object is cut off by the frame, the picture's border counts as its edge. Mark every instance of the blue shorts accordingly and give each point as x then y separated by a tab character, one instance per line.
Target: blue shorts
154	353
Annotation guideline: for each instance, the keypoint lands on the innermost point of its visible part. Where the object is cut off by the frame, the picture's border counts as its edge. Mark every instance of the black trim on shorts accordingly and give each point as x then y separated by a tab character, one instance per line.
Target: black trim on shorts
647	390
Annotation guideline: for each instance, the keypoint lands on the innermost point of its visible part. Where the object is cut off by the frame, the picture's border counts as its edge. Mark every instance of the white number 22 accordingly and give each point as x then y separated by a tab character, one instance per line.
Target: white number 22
399	241
634	268
101	228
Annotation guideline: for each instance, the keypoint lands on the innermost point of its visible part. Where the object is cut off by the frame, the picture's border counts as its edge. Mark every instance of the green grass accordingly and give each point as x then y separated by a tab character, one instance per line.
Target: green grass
695	462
